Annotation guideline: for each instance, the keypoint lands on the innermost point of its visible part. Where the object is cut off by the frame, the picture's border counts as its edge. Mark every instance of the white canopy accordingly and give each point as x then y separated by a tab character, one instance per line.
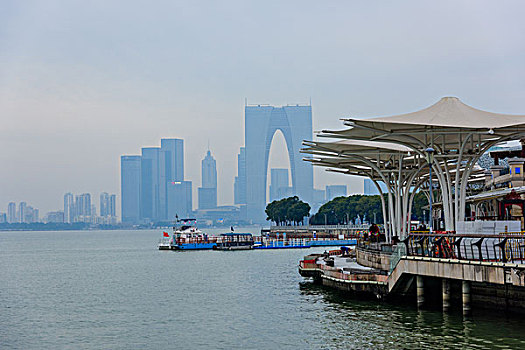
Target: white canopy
451	112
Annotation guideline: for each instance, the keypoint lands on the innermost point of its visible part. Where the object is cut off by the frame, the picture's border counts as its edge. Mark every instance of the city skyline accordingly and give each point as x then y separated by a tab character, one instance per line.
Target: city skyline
83	98
76	208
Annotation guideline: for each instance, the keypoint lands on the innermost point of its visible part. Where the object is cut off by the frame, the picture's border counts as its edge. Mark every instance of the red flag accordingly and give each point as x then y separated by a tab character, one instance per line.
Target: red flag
166	234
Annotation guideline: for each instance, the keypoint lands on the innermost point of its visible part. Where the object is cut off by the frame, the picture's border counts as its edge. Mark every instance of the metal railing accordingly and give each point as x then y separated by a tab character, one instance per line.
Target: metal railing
506	248
320	227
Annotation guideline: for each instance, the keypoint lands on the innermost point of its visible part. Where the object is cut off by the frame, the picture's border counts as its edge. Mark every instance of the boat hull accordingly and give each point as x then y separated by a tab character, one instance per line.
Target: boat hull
335	242
194	246
307	244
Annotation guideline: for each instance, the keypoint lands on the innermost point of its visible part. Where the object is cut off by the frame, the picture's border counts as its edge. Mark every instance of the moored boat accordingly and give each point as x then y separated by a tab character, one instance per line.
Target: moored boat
235	241
188	237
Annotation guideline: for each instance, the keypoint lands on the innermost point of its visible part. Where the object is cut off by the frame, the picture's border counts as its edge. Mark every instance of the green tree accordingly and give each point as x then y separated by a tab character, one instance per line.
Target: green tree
342	209
287	210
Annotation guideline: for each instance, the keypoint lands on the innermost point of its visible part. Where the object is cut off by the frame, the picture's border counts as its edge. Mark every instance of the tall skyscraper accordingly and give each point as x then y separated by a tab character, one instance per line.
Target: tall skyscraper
179	199
279	184
333	191
69	208
239	186
130	172
145	179
11	213
208	191
149	184
171	169
261	123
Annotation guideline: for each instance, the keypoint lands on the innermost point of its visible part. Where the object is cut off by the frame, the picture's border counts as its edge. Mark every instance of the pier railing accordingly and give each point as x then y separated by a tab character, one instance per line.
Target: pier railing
319	227
505	248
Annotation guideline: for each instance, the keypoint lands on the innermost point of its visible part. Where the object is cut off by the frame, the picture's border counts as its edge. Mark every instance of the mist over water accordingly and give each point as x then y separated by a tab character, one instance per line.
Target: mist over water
115	290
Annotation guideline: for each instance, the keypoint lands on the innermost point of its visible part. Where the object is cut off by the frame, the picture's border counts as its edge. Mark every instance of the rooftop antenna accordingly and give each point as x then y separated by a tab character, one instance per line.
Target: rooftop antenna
245	101
208	144
310	101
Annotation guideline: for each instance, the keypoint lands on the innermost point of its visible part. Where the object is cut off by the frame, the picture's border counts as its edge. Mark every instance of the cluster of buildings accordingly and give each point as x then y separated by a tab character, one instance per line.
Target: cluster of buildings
153	188
22	213
77	208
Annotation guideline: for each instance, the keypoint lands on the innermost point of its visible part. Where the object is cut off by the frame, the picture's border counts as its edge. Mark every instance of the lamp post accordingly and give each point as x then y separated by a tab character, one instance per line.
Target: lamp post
430	157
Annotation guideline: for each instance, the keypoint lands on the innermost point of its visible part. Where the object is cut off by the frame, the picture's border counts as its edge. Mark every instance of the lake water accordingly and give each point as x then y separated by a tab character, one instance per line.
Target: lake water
115	290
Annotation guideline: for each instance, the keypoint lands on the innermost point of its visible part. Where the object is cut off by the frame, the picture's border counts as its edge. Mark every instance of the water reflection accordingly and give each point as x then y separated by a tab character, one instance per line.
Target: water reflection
373	324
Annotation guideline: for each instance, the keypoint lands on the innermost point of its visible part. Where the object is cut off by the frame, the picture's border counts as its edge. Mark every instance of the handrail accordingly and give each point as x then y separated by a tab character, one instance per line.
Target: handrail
477	247
469	235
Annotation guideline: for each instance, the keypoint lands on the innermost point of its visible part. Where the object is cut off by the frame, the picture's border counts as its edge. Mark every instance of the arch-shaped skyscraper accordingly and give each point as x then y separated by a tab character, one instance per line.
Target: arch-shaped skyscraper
261	124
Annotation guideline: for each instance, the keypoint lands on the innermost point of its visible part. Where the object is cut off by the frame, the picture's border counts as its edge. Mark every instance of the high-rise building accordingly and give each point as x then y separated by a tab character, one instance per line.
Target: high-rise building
333	191
112	205
11	213
83	205
22	212
209	171
149	184
179	200
130	172
3	218
104	204
35	217
239	186
208	191
261	123
69	208
173	150
145	180
371	190
171	169
279	184
107	204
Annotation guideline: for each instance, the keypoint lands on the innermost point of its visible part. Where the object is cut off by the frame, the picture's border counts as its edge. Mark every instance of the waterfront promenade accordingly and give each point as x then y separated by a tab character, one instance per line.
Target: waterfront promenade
485	271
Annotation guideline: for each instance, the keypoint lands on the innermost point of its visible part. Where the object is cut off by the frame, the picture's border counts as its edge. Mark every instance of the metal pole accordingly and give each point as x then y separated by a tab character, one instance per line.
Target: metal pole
430	206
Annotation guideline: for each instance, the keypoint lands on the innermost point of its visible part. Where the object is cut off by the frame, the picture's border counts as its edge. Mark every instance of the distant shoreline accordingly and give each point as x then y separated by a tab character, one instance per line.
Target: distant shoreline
80	226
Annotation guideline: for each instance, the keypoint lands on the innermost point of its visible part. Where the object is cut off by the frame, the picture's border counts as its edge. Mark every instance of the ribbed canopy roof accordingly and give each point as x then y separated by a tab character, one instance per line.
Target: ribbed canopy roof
451	112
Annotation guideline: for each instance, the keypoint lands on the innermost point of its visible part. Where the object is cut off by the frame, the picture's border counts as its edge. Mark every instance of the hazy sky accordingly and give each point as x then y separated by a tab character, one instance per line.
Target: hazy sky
83	82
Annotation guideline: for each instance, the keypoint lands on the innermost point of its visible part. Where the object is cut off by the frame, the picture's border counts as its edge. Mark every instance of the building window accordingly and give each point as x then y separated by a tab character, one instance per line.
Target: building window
517	170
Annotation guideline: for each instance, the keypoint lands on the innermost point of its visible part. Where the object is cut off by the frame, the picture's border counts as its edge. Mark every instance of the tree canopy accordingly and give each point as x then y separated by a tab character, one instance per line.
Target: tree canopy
341	209
287	210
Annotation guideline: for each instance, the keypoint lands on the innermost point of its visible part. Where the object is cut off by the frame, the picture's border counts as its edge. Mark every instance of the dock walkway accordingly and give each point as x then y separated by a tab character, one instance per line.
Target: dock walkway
495	281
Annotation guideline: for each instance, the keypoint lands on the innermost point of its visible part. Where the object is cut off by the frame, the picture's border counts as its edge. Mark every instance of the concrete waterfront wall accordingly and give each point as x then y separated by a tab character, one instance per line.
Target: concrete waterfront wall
472	284
373	258
371	289
499	286
474	271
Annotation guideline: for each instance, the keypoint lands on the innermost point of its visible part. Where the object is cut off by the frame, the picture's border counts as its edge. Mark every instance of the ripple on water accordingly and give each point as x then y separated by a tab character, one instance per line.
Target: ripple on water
113	289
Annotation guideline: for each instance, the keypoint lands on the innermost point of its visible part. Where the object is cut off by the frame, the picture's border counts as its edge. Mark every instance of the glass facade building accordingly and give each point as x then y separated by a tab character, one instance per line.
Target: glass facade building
208	191
130	188
261	124
334	191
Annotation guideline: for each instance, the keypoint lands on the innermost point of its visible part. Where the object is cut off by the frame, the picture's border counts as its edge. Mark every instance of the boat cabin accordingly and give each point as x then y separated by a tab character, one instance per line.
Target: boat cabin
235	241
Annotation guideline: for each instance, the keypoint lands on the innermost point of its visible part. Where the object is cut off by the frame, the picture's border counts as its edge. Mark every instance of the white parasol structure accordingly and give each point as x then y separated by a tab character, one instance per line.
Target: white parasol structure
448	137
